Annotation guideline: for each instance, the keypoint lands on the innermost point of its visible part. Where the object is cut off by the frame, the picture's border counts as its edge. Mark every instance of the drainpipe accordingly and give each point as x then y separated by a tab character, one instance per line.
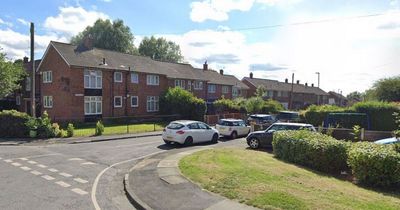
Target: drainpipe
112	93
126	91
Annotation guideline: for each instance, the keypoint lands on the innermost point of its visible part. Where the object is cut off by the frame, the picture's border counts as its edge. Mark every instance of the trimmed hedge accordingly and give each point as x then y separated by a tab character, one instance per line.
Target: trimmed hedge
13	124
375	165
311	149
380	114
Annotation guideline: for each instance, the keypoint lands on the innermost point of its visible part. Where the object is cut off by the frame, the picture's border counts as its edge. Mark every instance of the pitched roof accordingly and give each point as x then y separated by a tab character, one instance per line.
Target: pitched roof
282	86
214	77
337	95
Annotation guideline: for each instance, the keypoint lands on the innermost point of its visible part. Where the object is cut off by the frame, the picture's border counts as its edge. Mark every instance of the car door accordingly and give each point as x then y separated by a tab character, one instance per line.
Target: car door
245	129
206	133
194	132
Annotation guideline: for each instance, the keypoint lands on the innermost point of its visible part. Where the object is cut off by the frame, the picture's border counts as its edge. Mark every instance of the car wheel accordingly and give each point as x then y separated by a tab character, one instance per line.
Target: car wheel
215	138
167	142
254	143
233	135
188	141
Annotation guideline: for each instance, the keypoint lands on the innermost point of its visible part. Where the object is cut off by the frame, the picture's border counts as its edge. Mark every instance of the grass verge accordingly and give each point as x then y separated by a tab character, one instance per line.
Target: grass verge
89	130
258	179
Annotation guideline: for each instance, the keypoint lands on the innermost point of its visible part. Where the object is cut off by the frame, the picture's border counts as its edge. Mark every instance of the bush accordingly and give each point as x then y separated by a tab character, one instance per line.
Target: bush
99	128
380	114
347	120
254	105
226	105
14	124
272	107
45	129
311	149
375	165
63	133
56	132
70	130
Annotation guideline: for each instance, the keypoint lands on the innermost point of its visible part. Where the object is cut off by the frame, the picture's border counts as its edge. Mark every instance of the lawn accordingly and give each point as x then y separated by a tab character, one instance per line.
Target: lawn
258	179
88	130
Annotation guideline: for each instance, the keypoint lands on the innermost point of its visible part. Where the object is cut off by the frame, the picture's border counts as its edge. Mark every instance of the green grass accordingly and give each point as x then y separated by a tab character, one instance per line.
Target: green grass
88	130
258	179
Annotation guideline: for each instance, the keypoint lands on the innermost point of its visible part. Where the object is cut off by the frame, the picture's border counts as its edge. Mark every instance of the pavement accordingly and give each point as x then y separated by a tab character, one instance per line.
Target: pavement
157	183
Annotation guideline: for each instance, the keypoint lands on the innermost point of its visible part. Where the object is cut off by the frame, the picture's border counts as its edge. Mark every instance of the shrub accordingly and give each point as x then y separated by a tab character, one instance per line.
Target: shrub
225	105
14	124
347	120
375	165
311	149
380	114
272	107
254	105
316	115
56	132
99	128
63	133
70	130
45	129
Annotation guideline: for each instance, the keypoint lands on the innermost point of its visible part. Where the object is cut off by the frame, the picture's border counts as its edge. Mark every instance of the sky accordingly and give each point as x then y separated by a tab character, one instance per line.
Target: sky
351	43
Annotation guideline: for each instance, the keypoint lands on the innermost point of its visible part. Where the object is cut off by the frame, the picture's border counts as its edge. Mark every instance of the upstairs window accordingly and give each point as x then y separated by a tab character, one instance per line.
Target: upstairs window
28	84
117	76
212	88
135	78
153	79
47	77
92	79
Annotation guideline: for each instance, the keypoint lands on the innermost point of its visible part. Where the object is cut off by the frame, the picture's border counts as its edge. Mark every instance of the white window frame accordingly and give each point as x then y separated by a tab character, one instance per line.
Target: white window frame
28	84
133	78
225	89
47	77
97	101
155	107
89	76
235	91
115	105
180	83
198	85
115	77
212	90
189	85
137	101
153	79
18	100
48	101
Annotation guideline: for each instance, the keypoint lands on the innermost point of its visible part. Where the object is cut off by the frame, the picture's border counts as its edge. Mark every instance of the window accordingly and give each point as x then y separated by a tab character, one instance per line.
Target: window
280	93
189	85
153	80
180	83
269	93
117	76
18	100
92	79
152	104
28	84
225	89
135	78
47	77
117	101
92	105
198	85
193	126
134	101
48	101
235	91
212	88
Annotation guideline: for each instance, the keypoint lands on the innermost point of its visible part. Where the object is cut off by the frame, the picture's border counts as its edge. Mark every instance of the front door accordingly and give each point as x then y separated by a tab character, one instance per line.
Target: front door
28	107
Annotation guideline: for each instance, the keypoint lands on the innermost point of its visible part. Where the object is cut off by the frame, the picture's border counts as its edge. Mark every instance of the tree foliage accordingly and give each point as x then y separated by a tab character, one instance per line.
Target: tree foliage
160	49
10	75
260	91
355	96
109	35
388	89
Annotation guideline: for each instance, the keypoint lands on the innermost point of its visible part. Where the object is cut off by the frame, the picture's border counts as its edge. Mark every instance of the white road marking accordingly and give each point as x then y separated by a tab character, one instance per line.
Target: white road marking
53	170
96	181
63	184
88	163
72	159
32	162
1	158
23	159
36	173
35	156
65	174
80	180
8	161
16	164
25	168
47	177
79	191
42	166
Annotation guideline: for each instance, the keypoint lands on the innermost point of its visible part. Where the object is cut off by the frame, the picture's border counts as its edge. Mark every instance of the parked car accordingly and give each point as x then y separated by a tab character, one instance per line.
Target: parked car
392	140
232	128
188	132
288	116
264	138
261	119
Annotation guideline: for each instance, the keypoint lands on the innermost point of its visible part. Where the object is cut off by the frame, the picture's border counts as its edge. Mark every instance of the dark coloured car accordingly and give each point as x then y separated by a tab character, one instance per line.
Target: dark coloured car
288	116
264	138
261	119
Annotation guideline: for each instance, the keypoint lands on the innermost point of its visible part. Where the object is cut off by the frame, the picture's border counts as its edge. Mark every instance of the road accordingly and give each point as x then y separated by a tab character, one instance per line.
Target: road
75	176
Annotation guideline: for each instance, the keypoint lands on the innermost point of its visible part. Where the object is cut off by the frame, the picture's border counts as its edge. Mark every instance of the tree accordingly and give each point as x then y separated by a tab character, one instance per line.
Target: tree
260	91
354	97
387	89
254	105
160	49
109	35
10	75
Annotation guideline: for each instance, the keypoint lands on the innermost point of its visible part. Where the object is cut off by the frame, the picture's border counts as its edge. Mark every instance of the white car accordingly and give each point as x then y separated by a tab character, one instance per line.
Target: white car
232	128
188	132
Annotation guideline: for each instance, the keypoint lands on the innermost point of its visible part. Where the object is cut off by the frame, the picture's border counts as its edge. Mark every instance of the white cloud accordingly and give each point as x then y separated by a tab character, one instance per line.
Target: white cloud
72	20
2	22
23	21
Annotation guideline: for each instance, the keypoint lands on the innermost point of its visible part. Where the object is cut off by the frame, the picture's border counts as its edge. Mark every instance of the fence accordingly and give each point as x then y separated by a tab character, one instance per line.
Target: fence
213	119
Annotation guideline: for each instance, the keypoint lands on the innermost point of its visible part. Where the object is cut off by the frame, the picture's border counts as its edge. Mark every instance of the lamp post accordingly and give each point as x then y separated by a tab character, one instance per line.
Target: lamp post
318	77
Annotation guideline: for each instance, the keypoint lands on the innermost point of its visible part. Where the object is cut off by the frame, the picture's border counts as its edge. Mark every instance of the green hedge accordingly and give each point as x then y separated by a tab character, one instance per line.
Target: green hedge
13	124
375	165
311	149
316	115
348	120
380	114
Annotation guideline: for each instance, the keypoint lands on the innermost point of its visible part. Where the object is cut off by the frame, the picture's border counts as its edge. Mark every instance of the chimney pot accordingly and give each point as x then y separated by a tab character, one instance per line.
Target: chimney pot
306	84
88	42
251	75
298	82
104	61
221	71
26	59
312	85
205	66
286	80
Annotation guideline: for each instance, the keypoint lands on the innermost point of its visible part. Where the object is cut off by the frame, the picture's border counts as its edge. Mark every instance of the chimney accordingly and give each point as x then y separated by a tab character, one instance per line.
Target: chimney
286	80
205	66
104	62
88	42
306	84
312	85
298	82
251	75
221	72
26	59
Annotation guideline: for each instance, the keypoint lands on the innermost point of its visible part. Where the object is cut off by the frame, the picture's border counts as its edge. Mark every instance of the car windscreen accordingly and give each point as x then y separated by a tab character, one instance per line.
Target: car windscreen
175	126
226	123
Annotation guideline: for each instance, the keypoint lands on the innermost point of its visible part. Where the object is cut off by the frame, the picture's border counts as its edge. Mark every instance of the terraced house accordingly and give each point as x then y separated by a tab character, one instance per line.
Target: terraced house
82	82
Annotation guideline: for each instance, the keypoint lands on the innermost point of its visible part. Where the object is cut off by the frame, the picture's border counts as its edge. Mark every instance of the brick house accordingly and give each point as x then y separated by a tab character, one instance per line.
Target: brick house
82	83
337	99
303	95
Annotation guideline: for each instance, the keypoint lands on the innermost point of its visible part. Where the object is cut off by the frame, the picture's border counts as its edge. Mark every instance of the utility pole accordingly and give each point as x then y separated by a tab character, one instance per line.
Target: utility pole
33	101
291	94
318	77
